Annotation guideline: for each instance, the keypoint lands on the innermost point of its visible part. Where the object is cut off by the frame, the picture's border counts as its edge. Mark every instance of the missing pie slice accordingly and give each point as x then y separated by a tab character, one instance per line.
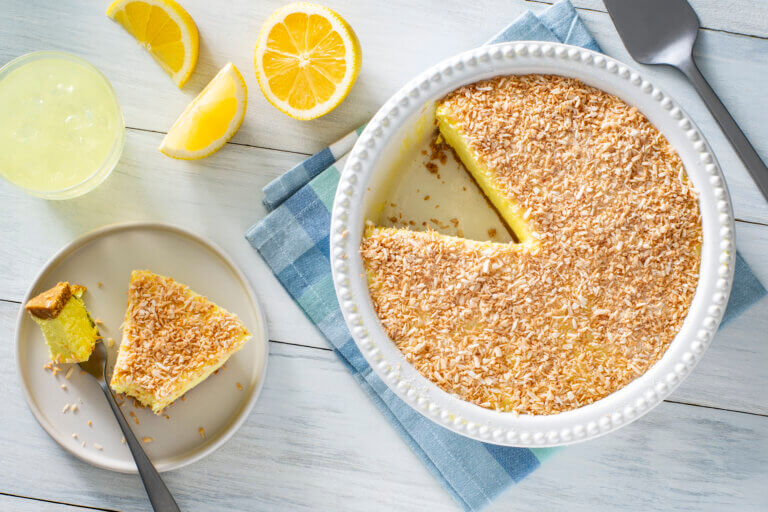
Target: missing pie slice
173	339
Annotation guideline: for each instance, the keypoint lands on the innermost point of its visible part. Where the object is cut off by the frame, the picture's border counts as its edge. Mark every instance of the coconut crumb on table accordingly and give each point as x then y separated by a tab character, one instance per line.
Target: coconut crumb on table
99	284
135	418
239	386
69	372
201	431
90	423
64	387
98	446
74	408
122	440
592	300
147	439
65	409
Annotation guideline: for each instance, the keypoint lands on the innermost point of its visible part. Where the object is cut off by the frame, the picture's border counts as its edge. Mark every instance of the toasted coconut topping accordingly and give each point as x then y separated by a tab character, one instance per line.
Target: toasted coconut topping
598	294
172	335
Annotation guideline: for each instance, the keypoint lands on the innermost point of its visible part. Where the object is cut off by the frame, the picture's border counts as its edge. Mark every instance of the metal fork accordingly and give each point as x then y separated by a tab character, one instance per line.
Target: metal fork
159	495
663	32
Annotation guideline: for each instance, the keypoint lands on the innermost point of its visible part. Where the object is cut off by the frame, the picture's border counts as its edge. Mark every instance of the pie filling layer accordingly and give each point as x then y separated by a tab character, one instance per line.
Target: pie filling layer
606	267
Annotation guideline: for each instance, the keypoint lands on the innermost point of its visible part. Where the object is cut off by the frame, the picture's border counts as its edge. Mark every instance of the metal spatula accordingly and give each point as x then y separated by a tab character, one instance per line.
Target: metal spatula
663	32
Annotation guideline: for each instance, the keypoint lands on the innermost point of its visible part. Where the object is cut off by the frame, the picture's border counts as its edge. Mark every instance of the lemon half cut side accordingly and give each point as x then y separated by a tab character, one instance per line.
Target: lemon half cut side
307	59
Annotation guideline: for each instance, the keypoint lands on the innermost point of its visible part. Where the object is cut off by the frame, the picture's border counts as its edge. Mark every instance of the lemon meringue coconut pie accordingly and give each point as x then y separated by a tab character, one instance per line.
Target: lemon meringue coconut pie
69	331
173	339
604	269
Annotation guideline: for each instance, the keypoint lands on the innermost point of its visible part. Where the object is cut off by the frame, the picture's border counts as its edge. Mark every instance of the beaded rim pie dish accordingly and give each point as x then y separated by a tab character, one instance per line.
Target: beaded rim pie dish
367	165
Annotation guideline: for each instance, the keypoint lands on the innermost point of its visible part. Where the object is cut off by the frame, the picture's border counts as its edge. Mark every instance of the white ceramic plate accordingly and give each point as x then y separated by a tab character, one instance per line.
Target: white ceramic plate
394	140
108	255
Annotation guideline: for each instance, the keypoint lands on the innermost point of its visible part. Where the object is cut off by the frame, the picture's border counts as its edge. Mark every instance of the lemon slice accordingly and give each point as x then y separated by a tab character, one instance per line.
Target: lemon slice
307	58
165	29
211	119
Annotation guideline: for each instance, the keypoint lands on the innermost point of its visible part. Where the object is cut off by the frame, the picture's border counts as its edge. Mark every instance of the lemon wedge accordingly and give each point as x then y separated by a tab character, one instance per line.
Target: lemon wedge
307	58
211	119
165	29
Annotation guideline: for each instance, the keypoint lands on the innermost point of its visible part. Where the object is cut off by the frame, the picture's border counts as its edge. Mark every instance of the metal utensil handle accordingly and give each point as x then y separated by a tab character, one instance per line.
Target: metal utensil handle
744	148
159	495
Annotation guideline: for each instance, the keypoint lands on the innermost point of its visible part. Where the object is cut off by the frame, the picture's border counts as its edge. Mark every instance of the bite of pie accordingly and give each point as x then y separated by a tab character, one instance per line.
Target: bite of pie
69	331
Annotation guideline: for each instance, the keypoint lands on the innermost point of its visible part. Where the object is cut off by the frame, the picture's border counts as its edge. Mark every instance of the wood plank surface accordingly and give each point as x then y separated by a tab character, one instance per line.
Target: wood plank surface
219	198
315	441
397	44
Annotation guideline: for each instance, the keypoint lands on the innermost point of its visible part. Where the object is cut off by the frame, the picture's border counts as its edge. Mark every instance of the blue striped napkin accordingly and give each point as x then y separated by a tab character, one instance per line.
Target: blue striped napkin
293	240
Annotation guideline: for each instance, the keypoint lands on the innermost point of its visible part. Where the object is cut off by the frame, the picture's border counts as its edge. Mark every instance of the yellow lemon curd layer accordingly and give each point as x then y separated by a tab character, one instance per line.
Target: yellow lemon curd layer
157	403
485	176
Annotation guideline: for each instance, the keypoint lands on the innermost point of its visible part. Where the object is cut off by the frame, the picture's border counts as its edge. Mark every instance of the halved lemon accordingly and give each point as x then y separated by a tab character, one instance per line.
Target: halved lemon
211	119
307	58
165	29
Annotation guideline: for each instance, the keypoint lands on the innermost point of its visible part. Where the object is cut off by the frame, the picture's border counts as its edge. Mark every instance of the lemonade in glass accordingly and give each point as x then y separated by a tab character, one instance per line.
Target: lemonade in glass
61	127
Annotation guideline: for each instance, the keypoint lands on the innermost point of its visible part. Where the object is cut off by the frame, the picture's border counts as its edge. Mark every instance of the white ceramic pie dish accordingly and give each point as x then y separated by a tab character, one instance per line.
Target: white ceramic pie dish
406	120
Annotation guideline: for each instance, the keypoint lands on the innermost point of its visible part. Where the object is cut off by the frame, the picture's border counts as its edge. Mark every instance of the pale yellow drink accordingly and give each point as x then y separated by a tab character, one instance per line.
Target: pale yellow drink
61	127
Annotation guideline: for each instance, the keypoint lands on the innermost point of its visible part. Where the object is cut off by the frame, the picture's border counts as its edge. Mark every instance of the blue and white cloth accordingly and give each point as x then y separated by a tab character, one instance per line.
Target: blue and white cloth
293	240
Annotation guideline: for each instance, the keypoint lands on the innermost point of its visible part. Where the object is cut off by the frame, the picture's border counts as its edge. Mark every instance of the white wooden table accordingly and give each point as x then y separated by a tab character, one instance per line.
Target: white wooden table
314	441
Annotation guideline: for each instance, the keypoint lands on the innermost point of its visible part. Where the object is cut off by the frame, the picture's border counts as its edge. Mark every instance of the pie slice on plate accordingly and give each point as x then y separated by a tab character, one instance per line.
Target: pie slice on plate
173	339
